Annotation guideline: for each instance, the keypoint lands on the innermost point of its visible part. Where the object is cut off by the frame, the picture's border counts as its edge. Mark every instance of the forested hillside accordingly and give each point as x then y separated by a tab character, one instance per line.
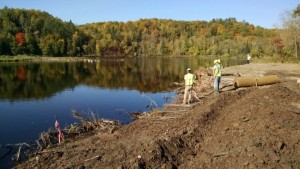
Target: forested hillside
34	32
38	33
156	37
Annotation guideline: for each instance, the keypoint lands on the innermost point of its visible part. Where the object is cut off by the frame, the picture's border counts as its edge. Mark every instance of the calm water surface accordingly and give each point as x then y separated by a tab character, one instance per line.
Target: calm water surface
33	94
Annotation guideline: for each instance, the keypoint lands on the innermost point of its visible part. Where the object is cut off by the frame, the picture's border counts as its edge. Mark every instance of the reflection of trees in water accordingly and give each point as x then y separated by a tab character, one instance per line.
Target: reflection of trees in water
33	80
40	80
147	75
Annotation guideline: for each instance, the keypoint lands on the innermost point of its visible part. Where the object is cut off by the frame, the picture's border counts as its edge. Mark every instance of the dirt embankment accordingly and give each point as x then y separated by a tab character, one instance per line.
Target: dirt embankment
254	127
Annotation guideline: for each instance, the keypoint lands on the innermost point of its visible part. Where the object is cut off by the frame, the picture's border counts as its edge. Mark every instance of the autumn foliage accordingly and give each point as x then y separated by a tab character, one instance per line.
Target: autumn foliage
278	43
20	38
42	34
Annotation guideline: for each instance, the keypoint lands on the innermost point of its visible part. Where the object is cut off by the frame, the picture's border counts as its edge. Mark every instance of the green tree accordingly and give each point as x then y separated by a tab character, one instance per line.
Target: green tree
5	48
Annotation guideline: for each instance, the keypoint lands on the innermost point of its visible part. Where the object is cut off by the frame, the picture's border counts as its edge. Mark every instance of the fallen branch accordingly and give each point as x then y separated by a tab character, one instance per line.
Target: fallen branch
19	152
220	154
152	104
92	158
18	155
291	110
39	145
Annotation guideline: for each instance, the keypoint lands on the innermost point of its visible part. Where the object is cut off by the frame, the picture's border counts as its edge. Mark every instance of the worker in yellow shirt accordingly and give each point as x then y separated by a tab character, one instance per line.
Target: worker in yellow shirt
189	80
217	73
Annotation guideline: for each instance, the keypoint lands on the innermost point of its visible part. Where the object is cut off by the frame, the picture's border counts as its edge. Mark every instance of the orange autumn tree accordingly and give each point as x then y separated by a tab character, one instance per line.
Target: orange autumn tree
20	38
278	44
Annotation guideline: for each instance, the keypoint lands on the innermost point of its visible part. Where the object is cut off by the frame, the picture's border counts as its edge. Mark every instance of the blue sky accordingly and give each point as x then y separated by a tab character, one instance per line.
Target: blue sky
265	13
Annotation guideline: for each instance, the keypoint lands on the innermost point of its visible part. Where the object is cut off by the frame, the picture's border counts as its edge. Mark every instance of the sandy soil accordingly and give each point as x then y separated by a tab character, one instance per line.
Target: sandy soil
253	127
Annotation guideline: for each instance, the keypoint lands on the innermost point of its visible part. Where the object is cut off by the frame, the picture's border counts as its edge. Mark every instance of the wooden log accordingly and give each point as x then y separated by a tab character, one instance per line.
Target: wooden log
255	81
244	82
266	80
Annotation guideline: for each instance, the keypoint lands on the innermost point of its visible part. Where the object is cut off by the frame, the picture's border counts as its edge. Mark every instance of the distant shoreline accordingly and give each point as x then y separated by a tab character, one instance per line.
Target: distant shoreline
39	59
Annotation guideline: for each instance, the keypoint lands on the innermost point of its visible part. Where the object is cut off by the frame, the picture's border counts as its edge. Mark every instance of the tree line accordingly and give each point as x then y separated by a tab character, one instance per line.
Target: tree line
34	32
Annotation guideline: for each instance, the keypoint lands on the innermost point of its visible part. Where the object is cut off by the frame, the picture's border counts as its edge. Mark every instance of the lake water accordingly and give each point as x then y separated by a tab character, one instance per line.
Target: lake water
32	95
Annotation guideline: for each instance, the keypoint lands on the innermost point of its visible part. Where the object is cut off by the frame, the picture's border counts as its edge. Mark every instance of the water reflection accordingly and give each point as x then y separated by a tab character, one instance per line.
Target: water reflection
41	80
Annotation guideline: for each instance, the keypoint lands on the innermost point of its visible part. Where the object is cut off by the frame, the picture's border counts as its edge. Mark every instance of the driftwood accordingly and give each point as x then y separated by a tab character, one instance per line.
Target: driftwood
98	125
50	137
96	157
220	154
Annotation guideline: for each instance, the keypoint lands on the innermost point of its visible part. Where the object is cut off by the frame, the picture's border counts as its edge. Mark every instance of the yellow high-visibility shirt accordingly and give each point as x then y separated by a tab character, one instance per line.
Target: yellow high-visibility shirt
217	68
189	79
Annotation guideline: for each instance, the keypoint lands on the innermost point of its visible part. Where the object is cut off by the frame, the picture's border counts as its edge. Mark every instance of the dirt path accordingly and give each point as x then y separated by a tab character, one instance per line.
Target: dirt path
255	127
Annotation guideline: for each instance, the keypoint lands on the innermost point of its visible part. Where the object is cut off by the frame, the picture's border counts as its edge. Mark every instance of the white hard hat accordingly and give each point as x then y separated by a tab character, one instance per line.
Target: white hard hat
217	61
188	69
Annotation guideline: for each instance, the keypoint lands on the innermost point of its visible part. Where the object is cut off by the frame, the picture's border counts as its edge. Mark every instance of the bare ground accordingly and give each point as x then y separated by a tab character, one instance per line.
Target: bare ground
254	127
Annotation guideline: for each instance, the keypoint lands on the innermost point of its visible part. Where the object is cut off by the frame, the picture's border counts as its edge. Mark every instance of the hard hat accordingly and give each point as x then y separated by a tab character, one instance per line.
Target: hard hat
188	69
217	61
